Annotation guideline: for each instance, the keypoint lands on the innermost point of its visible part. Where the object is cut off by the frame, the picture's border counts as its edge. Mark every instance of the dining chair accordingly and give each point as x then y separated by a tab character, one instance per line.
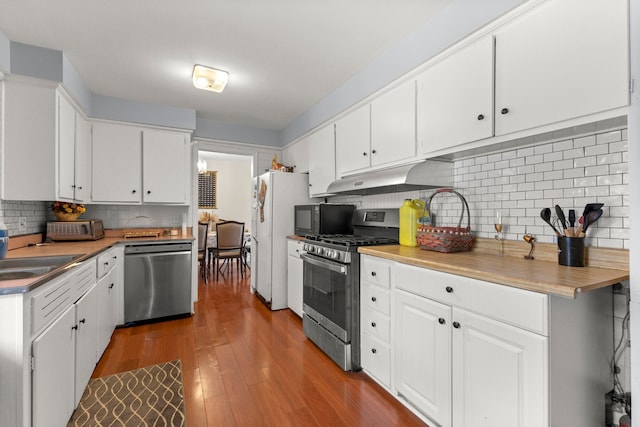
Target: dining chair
203	230
230	237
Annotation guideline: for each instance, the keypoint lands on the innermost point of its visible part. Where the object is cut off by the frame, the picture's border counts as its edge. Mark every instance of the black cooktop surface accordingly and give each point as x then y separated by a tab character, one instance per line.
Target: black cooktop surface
350	240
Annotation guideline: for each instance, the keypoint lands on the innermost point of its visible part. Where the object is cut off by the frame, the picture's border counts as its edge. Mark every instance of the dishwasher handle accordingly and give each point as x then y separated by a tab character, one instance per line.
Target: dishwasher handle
157	248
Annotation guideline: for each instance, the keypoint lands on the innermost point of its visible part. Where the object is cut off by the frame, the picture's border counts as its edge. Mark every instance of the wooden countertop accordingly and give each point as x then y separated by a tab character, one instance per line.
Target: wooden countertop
84	250
534	275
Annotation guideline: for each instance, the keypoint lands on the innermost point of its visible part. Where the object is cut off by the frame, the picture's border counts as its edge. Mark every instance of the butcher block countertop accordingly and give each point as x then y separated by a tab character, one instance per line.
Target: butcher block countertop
84	250
535	275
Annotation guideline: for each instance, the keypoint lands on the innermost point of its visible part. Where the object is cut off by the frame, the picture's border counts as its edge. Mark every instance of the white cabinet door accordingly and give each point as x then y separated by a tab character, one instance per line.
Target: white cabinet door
353	141
66	148
455	98
86	357
294	276
116	163
82	159
107	312
423	355
563	60
29	142
393	125
297	156
53	372
322	160
499	374
165	161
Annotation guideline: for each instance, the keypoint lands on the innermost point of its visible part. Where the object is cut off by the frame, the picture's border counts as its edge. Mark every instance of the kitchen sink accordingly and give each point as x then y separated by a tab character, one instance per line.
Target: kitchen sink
24	268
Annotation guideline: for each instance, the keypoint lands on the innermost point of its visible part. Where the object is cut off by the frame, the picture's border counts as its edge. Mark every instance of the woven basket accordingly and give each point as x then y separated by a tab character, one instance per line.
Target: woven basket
63	216
446	239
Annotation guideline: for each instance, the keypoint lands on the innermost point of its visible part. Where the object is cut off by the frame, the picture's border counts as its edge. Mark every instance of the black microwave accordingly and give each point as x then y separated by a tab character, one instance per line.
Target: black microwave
324	218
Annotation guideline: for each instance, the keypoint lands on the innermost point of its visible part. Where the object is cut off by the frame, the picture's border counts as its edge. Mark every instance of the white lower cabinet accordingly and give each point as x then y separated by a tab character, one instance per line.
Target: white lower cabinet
499	373
469	353
110	295
86	337
423	355
466	368
53	372
375	319
294	276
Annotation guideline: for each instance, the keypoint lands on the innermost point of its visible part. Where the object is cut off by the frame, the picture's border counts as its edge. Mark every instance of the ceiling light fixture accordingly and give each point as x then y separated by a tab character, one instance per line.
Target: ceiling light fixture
209	78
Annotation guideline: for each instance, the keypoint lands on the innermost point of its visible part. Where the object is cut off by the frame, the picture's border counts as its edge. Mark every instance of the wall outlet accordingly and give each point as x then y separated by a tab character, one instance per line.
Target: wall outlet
22	224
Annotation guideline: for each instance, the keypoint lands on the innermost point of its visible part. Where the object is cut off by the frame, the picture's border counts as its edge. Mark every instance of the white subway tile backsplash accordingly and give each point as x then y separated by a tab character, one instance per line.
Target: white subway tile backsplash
596	170
570	173
609	180
584	141
607	137
563	145
543	149
595	150
584	161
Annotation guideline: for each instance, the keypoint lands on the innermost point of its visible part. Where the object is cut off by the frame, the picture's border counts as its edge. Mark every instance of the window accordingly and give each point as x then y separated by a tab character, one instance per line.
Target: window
208	190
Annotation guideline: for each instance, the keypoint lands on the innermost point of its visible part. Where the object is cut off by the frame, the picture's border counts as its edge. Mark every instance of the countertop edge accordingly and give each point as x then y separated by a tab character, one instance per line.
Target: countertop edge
84	249
538	276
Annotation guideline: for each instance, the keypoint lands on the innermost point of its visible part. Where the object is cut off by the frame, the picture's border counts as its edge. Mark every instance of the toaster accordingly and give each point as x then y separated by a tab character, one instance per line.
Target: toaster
89	229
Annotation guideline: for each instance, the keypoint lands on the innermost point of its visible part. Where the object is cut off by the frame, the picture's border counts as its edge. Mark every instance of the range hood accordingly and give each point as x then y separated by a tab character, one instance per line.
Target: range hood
415	176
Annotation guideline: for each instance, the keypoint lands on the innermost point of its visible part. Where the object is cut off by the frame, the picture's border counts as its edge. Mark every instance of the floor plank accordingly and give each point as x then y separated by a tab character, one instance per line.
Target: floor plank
244	365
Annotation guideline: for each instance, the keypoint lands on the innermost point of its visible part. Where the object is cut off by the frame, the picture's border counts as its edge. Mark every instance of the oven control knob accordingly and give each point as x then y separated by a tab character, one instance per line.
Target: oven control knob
320	251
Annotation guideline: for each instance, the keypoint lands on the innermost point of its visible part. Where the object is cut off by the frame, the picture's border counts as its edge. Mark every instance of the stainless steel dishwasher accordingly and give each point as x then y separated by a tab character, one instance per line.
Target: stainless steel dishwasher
157	280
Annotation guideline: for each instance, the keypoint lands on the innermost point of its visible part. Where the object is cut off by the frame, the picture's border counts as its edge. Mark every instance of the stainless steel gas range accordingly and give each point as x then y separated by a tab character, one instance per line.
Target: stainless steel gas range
331	284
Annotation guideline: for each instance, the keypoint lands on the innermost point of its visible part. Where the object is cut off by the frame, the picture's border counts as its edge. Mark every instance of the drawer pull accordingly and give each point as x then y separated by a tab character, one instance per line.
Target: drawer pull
456	325
449	289
373	273
373	299
374	351
373	324
441	321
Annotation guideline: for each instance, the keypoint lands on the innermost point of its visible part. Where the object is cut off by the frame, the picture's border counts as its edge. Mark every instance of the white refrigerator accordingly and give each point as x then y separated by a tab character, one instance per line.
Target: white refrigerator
272	220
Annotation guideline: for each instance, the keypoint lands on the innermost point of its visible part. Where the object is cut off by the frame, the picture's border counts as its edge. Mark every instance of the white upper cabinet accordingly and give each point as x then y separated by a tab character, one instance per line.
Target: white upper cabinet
44	147
563	60
455	98
393	125
165	167
322	160
353	141
66	148
132	164
297	156
116	163
382	132
74	137
46	151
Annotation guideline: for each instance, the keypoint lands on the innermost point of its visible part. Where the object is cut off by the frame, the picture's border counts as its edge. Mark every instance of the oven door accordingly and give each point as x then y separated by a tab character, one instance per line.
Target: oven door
327	294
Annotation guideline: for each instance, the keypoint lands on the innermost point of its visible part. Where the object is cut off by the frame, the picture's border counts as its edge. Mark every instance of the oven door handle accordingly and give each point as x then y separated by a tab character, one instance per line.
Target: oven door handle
323	263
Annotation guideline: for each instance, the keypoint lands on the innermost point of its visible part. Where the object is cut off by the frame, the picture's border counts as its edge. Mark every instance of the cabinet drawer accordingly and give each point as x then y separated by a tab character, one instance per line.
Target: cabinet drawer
53	298
294	248
84	278
375	270
376	324
376	298
106	262
376	359
519	307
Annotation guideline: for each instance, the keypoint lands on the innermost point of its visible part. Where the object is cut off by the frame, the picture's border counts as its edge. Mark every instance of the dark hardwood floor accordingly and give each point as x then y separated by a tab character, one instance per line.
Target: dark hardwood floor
244	365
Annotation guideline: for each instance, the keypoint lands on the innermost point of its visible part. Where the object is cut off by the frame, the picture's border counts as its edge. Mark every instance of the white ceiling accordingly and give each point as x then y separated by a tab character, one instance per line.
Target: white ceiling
283	55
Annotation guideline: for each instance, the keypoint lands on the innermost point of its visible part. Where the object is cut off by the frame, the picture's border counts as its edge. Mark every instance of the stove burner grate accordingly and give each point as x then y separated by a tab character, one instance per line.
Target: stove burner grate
349	240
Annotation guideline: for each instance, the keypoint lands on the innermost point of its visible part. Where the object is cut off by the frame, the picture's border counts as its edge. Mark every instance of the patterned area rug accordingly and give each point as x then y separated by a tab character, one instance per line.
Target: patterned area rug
151	396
